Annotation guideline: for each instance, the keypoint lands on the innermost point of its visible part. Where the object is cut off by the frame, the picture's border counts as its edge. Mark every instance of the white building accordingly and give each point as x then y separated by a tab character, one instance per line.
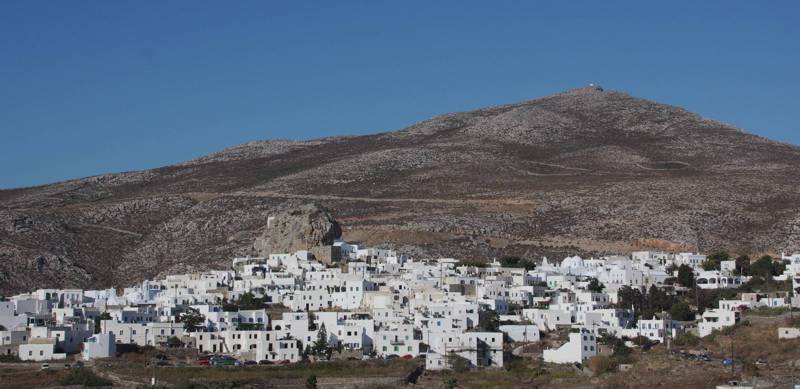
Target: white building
717	319
40	349
99	346
581	346
521	332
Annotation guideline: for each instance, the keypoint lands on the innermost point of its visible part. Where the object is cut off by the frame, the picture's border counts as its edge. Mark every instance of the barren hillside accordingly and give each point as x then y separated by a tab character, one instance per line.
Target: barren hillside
581	171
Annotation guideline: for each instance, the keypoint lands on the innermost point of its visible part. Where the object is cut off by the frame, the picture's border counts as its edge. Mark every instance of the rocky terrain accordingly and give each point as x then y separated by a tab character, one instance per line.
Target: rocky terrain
586	171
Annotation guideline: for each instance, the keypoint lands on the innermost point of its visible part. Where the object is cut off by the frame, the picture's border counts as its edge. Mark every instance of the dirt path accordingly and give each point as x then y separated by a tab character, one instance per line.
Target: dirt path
382	200
121	231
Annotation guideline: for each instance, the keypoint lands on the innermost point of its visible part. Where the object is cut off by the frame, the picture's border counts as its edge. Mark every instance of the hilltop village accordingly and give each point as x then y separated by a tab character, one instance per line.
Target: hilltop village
377	303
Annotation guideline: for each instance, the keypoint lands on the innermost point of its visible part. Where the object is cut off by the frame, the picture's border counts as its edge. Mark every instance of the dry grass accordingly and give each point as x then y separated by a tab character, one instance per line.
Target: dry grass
281	374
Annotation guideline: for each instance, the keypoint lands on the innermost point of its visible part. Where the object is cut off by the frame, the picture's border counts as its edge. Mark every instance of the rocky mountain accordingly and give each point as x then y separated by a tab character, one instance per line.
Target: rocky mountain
586	171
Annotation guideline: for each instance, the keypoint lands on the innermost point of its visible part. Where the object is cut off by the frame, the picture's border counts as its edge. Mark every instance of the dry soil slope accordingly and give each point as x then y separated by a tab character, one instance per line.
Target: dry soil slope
583	170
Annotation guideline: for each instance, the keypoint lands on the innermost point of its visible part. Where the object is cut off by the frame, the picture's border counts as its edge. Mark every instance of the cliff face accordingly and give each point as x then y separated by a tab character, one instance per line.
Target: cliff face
581	171
301	228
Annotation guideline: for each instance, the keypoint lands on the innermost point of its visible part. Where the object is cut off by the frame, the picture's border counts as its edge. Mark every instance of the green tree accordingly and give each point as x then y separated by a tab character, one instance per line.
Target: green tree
488	320
743	265
681	311
766	267
595	286
710	264
321	345
311	382
99	319
191	319
630	298
312	323
450	383
248	301
685	276
514	261
720	256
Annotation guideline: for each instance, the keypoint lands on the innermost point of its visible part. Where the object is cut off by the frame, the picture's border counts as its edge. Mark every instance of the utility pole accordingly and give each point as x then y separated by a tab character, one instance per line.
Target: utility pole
733	363
668	329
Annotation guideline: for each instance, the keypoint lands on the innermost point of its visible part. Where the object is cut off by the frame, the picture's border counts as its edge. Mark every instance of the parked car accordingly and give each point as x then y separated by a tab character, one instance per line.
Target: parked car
265	362
225	361
250	363
45	366
67	366
727	362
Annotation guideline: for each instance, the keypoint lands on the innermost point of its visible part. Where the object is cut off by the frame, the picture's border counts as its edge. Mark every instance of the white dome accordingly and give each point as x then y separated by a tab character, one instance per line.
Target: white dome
572	262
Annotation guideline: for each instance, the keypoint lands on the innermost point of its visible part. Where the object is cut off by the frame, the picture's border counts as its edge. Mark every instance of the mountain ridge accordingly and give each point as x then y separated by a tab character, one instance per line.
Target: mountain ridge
582	171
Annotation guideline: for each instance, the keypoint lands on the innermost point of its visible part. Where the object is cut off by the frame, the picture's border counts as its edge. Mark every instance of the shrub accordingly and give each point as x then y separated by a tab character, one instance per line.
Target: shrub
85	377
9	358
601	364
174	342
458	363
686	339
311	382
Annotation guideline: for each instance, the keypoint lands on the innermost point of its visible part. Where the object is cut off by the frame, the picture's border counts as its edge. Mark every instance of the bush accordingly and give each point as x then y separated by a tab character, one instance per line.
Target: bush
793	321
9	358
311	382
768	311
686	339
512	261
644	342
174	342
458	363
601	364
85	377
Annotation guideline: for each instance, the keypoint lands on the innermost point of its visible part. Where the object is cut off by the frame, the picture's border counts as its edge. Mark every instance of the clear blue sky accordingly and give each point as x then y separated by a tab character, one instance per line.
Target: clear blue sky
89	87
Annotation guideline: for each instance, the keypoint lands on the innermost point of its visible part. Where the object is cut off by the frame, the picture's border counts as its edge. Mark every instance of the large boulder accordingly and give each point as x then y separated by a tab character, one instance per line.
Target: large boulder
298	228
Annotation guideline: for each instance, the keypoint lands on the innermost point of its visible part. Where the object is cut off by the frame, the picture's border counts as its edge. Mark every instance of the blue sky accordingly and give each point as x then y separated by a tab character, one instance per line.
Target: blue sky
91	87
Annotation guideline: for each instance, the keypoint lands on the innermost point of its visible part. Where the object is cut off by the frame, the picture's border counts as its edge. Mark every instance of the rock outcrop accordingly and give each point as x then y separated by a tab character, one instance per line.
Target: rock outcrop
301	228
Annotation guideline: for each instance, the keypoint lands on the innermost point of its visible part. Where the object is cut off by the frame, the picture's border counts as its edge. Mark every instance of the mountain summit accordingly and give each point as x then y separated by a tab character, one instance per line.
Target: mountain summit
582	171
